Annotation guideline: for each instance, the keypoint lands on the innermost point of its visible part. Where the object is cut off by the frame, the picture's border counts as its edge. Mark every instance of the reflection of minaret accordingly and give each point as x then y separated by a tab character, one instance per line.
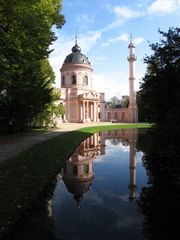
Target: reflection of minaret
132	95
132	167
78	173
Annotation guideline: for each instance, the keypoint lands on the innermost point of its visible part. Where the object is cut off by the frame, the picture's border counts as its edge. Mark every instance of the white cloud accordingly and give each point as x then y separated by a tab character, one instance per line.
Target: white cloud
123	14
94	199
123	37
112	84
138	40
139	156
108	42
84	19
126	13
143	3
143	8
98	60
161	7
88	40
127	221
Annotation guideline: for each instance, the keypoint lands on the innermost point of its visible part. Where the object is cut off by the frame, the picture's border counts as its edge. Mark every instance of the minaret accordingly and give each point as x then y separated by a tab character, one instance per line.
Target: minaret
132	95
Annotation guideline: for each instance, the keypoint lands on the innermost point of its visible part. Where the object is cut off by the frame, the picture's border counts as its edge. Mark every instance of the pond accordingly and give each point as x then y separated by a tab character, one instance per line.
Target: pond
103	192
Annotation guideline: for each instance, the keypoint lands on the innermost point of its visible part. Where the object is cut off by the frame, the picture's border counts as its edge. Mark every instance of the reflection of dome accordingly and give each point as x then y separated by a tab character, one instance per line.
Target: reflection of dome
77	188
76	56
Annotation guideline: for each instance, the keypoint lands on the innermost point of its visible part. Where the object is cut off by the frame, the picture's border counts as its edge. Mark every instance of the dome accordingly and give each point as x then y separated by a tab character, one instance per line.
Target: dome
76	56
76	48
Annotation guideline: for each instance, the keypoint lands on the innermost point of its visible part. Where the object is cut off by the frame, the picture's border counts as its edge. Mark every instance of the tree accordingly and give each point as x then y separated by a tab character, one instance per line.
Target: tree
114	102
52	111
25	36
159	94
26	96
125	101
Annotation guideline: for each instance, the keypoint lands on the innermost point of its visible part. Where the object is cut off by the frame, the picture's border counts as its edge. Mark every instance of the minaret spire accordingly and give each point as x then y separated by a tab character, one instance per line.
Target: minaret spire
131	37
76	39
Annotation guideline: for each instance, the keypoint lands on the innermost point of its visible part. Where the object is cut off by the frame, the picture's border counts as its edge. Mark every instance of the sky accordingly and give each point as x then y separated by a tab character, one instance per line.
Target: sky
103	28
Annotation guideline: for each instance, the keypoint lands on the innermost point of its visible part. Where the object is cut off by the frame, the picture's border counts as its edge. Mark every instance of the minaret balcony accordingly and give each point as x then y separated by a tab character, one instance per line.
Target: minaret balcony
132	58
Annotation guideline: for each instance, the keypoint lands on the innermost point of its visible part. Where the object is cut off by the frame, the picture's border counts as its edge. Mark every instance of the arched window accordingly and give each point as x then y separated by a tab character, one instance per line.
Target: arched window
85	80
123	116
75	170
109	116
73	79
63	81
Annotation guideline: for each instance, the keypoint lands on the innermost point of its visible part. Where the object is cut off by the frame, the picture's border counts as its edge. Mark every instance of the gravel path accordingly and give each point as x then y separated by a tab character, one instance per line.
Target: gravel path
10	147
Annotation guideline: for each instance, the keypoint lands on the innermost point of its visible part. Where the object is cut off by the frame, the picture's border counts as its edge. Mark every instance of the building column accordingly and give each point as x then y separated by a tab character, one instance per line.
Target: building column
97	111
94	116
99	118
95	119
87	105
83	111
92	113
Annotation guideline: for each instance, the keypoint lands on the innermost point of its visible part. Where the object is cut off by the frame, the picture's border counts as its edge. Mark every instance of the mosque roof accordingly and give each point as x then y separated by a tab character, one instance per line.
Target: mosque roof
76	56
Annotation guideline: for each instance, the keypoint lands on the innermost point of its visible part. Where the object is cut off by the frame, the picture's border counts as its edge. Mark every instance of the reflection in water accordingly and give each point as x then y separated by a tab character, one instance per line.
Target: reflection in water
101	177
78	172
38	222
160	200
132	168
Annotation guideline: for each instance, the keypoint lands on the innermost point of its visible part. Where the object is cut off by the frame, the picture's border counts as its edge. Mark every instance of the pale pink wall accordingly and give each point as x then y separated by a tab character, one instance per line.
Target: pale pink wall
79	70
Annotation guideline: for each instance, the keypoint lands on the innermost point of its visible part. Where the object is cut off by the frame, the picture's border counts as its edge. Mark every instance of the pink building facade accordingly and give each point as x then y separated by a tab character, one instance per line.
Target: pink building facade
82	103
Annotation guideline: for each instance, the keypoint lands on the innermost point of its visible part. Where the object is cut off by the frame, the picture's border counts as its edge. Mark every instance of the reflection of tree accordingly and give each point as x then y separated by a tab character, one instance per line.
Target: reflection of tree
115	141
125	142
160	200
38	223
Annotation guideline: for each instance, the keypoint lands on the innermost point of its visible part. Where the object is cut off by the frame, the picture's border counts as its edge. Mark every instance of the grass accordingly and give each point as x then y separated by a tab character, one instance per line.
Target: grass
23	178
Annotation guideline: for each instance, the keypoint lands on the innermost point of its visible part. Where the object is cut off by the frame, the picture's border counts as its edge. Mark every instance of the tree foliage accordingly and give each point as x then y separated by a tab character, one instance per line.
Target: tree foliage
159	94
48	117
115	102
25	75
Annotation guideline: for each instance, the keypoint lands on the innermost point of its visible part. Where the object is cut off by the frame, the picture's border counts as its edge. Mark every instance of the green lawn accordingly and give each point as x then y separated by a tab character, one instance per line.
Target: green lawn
23	178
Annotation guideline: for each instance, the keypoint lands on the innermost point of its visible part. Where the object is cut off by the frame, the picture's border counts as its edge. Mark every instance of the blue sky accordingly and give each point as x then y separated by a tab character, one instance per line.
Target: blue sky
103	28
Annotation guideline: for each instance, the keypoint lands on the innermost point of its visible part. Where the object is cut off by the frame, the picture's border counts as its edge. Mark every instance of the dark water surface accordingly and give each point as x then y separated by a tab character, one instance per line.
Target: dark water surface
104	192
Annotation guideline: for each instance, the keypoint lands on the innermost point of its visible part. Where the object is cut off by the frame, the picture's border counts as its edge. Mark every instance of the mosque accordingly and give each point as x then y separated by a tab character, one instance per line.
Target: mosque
82	103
